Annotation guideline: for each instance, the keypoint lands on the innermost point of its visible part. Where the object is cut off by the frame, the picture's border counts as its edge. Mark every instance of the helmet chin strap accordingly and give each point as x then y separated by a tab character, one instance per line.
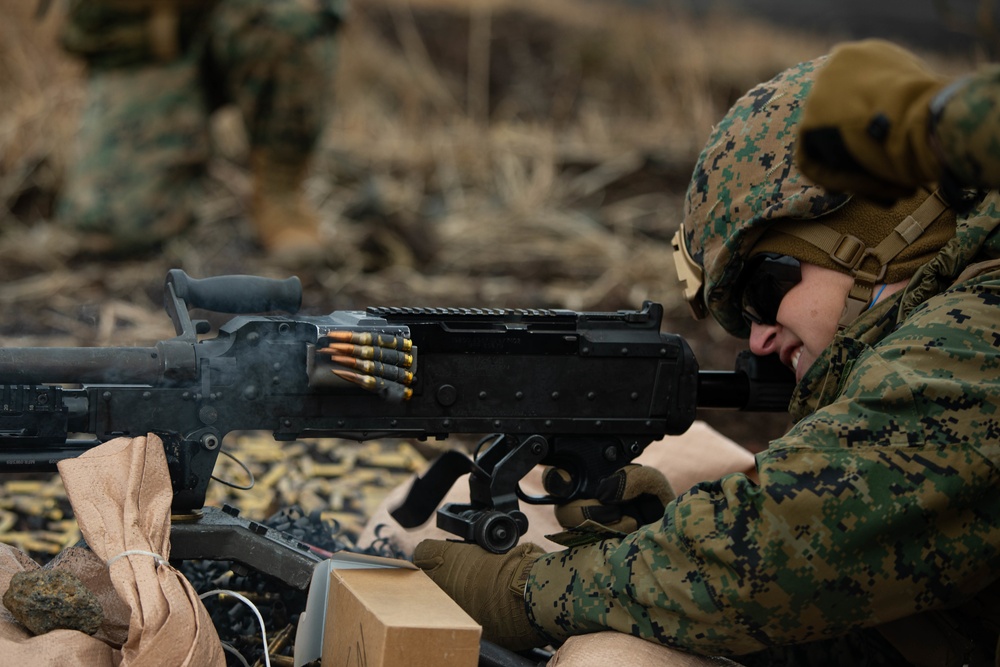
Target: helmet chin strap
865	264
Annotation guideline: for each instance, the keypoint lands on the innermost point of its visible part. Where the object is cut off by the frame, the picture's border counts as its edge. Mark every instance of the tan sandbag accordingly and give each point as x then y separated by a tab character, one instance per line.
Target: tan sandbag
121	496
95	576
609	648
700	454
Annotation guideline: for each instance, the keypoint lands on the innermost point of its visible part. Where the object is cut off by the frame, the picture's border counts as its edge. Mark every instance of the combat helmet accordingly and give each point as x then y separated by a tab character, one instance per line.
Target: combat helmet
746	184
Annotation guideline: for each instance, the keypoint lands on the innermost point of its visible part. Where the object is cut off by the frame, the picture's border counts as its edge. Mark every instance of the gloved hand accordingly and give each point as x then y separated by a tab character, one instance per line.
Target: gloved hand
488	586
865	126
631	497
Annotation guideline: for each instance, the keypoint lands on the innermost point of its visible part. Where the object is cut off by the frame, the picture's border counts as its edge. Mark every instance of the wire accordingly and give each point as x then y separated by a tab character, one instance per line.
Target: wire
245	469
229	648
872	304
260	619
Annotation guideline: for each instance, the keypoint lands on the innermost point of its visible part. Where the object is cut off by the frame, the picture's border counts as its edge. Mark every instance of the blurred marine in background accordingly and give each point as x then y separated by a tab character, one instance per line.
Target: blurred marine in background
156	69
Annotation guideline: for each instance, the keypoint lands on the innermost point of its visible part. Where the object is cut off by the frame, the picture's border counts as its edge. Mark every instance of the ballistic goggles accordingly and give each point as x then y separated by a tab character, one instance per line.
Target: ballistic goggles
767	278
764	282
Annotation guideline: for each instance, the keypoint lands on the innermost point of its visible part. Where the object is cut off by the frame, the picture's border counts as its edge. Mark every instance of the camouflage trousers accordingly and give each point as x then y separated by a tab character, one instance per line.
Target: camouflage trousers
143	144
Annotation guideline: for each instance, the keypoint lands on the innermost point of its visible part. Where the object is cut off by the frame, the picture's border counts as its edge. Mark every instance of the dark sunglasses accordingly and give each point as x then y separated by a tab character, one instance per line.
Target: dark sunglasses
768	277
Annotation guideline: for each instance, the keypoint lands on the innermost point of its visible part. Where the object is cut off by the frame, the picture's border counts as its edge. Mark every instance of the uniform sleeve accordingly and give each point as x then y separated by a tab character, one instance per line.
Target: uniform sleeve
968	129
880	505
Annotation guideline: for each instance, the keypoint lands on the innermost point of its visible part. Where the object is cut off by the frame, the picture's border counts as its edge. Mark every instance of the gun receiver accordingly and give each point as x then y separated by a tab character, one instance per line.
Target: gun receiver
583	391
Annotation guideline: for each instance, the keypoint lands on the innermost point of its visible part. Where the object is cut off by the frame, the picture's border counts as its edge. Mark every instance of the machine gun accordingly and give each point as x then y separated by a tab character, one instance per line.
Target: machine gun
586	392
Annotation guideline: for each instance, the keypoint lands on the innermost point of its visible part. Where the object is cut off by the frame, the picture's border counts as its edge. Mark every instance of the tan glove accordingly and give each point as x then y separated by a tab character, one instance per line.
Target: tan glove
488	586
865	126
631	497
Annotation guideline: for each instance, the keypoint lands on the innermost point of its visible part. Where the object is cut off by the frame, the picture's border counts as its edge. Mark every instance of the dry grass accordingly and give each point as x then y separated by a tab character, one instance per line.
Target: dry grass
496	153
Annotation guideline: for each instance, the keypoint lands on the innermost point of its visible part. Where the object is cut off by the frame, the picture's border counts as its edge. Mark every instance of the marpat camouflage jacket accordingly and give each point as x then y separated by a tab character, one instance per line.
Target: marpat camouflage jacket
881	502
967	130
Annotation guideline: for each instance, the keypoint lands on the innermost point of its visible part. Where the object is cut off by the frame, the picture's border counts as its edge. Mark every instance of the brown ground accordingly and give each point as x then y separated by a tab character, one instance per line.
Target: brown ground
522	154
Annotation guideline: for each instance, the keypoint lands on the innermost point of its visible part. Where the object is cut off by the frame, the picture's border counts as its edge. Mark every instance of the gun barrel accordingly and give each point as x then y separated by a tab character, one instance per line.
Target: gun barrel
80	365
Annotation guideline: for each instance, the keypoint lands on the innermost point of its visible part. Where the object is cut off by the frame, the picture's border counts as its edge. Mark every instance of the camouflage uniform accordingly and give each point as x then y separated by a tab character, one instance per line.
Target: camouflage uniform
144	140
880	504
968	129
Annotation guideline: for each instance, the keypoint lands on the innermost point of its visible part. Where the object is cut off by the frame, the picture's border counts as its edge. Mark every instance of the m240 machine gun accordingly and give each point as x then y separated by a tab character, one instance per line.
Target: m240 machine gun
584	391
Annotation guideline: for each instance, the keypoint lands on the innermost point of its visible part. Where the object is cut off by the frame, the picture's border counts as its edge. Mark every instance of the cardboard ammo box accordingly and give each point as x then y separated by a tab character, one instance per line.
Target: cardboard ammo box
395	617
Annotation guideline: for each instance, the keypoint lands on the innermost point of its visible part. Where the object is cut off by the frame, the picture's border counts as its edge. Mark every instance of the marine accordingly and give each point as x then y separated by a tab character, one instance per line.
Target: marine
870	533
156	70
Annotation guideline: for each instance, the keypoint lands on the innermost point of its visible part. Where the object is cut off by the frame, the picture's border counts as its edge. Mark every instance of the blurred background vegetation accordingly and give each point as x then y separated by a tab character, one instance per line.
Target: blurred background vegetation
481	153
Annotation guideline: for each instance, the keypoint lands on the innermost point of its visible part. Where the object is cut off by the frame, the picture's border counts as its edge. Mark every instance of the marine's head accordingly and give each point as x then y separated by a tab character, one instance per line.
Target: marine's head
748	206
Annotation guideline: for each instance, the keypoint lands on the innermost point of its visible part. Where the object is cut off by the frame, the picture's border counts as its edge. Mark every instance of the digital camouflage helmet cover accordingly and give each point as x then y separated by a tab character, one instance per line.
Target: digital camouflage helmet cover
746	183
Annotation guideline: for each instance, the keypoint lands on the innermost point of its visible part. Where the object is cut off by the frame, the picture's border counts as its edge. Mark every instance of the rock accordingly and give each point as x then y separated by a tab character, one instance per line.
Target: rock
43	600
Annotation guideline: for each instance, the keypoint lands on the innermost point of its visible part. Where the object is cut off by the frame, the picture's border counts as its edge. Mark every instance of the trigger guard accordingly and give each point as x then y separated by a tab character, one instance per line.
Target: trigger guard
550	500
